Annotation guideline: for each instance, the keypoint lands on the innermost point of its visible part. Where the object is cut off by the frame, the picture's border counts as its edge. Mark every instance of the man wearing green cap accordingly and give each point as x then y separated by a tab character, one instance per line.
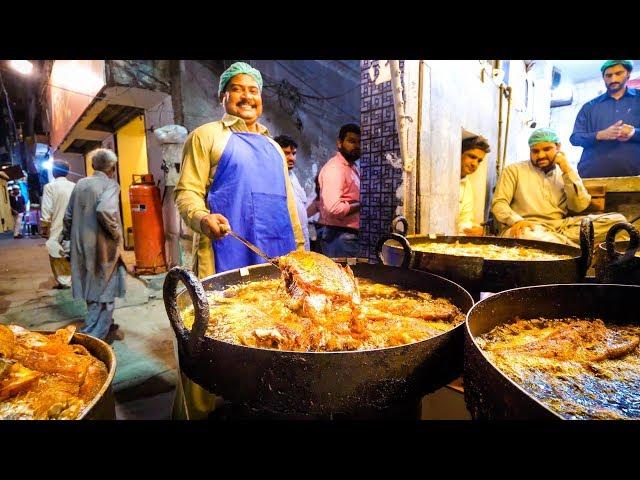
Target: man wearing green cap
233	175
606	126
533	198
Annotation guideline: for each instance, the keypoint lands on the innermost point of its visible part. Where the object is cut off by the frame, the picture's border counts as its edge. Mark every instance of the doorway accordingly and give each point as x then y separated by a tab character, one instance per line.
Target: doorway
132	159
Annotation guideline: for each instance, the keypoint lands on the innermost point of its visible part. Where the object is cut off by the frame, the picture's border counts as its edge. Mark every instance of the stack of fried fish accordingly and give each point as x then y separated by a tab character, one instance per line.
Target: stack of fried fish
45	376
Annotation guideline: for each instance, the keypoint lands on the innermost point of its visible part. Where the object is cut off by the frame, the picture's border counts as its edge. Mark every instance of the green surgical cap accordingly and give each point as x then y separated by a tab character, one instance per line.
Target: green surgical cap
236	69
628	64
543	135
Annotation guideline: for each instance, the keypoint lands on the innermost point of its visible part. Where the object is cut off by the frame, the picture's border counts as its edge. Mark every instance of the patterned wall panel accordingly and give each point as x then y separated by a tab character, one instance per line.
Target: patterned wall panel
379	180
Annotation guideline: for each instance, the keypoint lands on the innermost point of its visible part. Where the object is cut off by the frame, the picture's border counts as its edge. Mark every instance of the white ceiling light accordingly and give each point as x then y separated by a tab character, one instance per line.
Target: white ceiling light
25	67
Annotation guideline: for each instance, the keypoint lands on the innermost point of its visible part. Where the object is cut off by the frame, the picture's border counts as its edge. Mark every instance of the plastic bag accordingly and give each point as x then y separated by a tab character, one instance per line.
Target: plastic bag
171	134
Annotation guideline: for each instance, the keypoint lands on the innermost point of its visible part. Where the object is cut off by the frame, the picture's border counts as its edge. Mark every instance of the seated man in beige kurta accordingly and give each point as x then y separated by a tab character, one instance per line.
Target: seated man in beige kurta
533	199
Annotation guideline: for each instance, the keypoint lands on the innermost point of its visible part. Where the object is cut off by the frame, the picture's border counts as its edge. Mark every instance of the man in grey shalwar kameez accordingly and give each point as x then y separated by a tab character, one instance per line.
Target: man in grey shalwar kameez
92	224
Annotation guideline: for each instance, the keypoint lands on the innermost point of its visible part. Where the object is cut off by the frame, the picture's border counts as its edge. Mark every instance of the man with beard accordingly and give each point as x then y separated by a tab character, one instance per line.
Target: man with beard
533	198
290	149
339	181
606	127
234	176
473	152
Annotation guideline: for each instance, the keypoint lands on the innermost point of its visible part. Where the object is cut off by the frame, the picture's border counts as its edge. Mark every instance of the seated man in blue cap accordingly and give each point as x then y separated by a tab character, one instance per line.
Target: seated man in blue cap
234	175
535	199
606	126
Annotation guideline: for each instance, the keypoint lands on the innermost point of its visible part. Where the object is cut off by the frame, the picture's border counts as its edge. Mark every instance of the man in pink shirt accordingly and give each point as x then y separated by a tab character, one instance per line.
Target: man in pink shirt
339	205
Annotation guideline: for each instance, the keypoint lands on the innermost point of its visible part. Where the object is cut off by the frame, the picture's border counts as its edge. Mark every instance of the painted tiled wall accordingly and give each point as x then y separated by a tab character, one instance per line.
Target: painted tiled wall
378	179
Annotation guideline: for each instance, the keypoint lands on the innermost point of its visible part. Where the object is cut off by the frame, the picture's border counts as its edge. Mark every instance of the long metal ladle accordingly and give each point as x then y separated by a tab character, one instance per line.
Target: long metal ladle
252	247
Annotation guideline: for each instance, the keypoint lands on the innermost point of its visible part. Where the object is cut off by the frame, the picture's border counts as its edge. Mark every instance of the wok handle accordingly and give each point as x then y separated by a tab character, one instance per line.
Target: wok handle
634	240
200	305
586	245
403	221
407	261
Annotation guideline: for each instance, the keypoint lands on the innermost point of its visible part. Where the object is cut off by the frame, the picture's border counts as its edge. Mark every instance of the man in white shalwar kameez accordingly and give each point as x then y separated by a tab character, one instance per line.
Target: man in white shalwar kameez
55	199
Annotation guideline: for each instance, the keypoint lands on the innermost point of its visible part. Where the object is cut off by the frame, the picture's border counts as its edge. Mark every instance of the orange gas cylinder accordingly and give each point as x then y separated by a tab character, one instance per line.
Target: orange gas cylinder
148	229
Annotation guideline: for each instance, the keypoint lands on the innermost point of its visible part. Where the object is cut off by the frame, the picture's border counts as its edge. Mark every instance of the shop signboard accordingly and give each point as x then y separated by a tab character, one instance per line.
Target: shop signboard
73	85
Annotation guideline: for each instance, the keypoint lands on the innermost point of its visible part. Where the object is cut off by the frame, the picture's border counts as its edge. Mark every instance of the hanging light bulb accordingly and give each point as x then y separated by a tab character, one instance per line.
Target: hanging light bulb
25	67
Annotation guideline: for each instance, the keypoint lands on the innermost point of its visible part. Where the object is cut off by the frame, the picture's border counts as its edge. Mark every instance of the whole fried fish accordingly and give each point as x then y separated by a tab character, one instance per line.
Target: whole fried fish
316	283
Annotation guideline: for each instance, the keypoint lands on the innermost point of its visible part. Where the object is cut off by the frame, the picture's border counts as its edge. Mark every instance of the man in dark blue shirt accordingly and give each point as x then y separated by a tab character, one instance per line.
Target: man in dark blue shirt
606	127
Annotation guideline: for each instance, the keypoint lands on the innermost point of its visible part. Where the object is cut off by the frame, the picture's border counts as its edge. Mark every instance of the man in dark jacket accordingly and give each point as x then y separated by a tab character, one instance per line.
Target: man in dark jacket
18	207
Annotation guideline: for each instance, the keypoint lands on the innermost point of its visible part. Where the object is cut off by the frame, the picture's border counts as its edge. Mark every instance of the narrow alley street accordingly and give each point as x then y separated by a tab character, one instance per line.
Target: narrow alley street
145	377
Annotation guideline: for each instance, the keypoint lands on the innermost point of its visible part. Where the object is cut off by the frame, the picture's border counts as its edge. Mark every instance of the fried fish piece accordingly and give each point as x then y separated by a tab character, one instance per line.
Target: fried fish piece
16	379
316	283
7	341
46	377
49	354
579	340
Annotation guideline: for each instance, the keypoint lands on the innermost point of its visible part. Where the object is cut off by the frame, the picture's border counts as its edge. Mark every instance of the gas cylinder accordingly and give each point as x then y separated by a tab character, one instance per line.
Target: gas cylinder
148	229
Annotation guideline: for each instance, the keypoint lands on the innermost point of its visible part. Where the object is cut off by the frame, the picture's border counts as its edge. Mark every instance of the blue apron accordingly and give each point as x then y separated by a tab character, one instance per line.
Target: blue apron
248	188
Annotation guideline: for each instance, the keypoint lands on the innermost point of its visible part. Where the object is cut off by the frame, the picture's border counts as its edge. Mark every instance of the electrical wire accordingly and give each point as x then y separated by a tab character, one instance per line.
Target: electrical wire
137	65
9	111
314	97
276	86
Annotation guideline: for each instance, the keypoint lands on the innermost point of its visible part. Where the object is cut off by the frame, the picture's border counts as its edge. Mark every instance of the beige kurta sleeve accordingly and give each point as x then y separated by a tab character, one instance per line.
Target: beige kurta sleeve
465	215
200	156
502	197
46	208
578	197
191	189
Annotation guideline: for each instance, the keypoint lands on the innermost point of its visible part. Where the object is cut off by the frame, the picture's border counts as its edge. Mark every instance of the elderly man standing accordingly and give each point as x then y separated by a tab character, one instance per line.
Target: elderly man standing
233	176
55	199
290	148
92	224
606	127
533	198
